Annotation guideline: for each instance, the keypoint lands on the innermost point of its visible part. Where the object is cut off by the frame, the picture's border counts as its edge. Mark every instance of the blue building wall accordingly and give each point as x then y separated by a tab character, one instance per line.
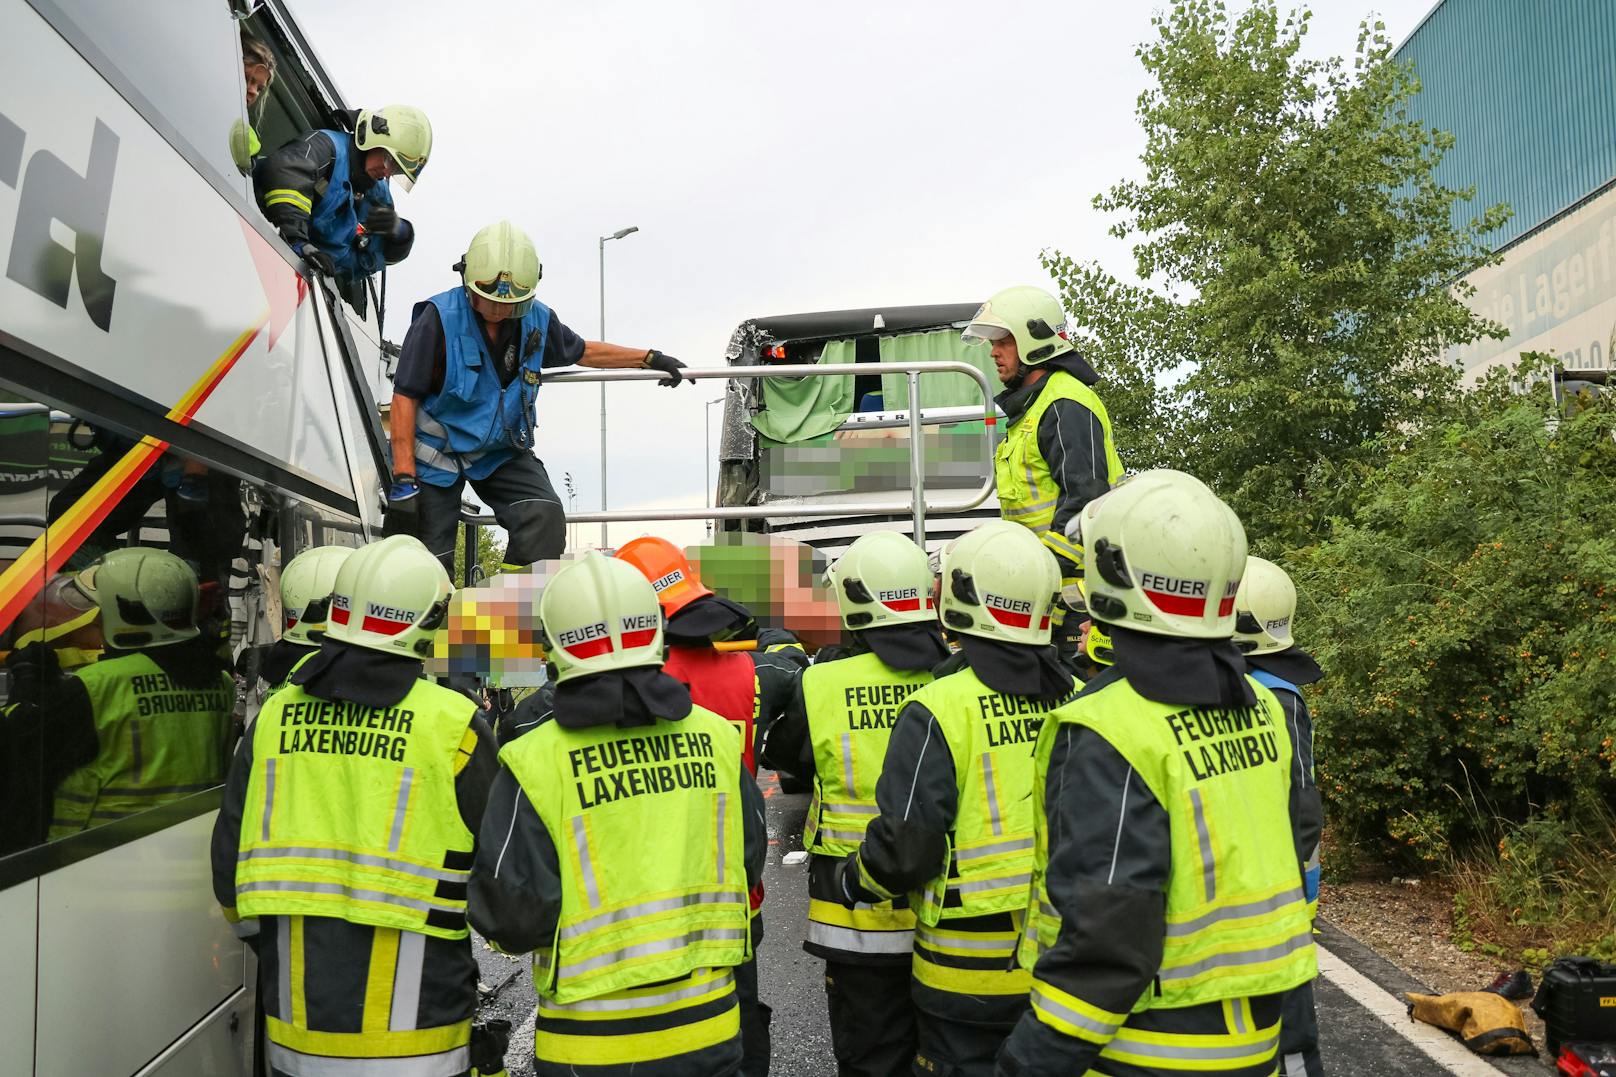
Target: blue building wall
1528	89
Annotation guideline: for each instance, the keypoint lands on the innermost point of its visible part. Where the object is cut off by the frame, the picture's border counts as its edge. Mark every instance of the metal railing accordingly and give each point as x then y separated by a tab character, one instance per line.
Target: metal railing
916	505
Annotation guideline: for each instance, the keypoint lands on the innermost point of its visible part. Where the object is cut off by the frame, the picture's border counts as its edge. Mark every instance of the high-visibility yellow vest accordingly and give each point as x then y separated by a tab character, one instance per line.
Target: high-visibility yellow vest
350	811
1027	490
158	742
647	821
852	704
1237	922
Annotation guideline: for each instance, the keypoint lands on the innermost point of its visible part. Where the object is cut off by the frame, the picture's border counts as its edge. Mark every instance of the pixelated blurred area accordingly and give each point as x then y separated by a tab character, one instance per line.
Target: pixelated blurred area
780	580
493	630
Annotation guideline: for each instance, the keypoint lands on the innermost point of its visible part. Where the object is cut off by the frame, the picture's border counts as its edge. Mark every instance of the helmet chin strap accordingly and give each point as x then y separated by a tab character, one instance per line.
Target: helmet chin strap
1020	376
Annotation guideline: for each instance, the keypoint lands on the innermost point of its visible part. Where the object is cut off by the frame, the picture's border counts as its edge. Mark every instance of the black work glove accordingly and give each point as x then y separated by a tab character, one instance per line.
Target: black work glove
489	1042
33	670
403	508
849	891
316	259
382	222
668	365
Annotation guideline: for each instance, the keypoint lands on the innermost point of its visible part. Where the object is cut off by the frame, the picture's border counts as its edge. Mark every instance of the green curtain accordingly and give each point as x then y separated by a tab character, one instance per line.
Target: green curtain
804	408
936	390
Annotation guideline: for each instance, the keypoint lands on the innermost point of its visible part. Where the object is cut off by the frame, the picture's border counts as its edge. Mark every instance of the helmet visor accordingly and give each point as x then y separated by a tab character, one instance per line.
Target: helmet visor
505	291
409	168
983	333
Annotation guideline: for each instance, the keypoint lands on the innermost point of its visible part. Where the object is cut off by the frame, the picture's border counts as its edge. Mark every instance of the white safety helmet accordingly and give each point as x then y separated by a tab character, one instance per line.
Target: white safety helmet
882	579
600	614
1264	608
1162	554
1031	315
1000	582
390	596
306	586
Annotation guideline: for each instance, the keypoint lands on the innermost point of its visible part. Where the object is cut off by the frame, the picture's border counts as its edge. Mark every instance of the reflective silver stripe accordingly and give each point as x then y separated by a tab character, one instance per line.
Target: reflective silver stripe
1184	1053
401	808
297	1064
992	884
283	956
1028	510
651	949
1011	845
853	941
993	795
1048	910
723	803
444	461
310	852
1235	912
844	835
723	983
1237	1007
426	424
1238	957
586	867
269	796
847	762
851	809
407	981
1209	866
1041	1001
1293	1065
348	891
961	941
650	908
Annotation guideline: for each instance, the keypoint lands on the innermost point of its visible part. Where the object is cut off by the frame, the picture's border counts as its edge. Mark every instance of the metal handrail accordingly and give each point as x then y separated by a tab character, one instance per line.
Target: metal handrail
916	505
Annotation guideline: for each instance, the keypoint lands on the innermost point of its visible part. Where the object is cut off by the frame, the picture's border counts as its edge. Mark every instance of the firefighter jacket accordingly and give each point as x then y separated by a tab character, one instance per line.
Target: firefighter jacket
476	420
1167	915
158	740
618	849
344	842
725	683
955	831
1284	674
315	190
1057	456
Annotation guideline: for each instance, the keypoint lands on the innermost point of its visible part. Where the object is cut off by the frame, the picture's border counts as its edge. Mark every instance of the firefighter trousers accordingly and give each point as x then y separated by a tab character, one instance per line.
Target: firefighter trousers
872	1019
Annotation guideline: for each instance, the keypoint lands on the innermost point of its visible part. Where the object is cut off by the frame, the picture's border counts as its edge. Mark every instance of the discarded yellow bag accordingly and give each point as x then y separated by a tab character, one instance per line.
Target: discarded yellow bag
1488	1024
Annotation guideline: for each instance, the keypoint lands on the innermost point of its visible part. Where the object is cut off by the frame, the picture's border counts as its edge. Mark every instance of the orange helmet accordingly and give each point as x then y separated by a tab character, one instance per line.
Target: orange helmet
665	565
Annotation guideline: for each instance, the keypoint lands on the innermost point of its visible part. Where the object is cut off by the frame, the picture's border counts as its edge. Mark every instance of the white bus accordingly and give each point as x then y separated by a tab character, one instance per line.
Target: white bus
167	378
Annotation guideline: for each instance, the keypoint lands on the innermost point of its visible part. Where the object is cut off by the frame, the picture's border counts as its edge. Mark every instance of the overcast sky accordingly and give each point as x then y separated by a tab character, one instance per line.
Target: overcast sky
777	158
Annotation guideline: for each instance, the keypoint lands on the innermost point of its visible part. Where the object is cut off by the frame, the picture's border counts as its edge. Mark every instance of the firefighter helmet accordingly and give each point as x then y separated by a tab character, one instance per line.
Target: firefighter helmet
403	131
502	266
390	596
148	597
1031	315
1162	554
306	586
672	576
1264	608
882	579
600	614
1000	582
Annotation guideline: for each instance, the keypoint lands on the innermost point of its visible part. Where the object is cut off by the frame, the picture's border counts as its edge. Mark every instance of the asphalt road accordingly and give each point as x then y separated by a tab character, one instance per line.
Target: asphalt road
1355	1041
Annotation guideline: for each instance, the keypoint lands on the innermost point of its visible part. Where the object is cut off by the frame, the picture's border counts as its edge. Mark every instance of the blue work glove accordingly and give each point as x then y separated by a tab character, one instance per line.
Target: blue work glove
670	366
317	259
403	507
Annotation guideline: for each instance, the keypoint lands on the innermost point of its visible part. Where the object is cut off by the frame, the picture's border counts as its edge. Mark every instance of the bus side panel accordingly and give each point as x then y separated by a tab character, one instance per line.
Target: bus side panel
117	256
19	916
138	922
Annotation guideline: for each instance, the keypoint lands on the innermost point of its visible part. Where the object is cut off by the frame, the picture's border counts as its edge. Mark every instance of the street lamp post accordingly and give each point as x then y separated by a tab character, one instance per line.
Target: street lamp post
619	234
707	459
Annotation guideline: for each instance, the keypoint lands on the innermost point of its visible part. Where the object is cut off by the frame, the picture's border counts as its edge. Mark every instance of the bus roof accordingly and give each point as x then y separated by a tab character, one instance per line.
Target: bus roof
783	328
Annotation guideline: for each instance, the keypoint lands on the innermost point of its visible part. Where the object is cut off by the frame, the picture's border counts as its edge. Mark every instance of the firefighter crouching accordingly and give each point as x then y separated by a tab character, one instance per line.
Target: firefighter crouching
347	832
837	729
1167	917
622	836
955	825
1265	614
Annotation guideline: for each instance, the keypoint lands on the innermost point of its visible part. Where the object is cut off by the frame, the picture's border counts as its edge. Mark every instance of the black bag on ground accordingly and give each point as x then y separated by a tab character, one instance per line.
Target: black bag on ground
1577	1001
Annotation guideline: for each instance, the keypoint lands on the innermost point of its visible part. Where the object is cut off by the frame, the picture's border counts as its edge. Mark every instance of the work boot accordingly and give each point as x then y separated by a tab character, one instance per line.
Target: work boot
1515	986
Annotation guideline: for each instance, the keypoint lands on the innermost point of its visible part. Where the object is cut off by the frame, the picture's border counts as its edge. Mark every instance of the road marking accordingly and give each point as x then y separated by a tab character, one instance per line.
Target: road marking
1432	1042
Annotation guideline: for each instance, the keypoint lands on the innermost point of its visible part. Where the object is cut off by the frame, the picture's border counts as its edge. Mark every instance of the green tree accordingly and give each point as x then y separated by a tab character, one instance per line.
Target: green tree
490	553
1299	260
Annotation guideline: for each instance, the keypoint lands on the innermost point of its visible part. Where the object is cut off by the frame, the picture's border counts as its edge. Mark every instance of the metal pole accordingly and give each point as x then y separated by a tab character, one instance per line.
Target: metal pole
603	393
917	461
467	579
707	461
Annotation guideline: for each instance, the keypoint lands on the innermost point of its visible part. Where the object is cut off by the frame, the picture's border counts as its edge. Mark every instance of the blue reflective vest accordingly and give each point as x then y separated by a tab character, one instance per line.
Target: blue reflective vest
472	425
334	224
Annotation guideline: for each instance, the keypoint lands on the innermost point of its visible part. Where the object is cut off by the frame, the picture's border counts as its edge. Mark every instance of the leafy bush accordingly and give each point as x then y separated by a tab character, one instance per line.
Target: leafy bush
1464	614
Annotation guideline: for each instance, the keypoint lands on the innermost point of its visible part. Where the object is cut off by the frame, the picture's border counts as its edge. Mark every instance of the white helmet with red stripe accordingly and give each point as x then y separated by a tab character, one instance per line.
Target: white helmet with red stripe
1000	582
600	614
306	586
1162	554
882	579
390	596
